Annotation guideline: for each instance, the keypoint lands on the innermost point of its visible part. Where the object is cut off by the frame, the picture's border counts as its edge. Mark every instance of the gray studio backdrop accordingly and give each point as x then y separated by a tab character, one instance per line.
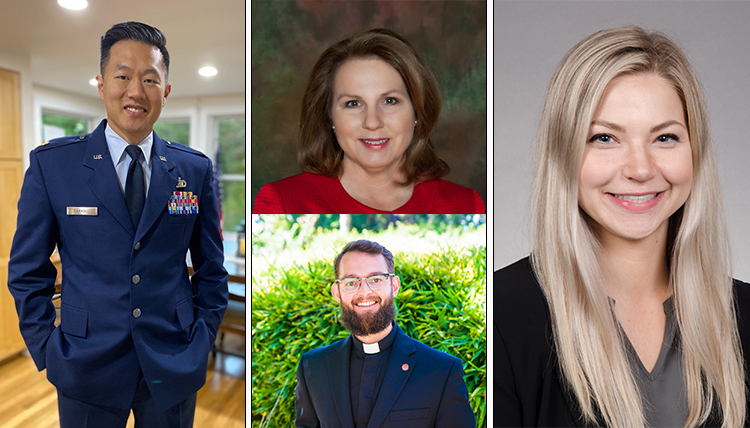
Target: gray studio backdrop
531	38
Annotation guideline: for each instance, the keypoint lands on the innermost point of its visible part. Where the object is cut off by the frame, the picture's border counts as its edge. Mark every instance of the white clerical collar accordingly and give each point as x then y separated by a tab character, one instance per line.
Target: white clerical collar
371	348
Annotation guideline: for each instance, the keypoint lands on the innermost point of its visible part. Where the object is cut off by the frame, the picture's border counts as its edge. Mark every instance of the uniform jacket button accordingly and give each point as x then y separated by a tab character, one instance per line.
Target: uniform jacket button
136	279
137	312
137	245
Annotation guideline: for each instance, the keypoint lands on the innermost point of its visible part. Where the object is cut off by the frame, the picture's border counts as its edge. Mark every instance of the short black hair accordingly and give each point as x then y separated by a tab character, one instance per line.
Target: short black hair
139	32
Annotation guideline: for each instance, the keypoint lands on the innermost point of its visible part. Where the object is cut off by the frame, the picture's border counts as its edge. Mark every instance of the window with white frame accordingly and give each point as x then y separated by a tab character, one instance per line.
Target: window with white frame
174	129
55	125
230	159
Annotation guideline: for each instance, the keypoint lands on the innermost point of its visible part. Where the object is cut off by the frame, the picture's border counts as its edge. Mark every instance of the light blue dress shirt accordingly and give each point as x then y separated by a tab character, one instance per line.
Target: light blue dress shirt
121	159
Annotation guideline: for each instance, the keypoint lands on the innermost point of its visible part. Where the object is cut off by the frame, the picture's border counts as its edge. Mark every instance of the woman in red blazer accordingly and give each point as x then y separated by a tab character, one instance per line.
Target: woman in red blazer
368	111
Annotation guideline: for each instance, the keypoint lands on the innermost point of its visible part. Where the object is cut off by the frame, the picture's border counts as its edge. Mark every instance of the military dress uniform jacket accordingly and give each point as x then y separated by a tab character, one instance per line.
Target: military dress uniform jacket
422	388
127	303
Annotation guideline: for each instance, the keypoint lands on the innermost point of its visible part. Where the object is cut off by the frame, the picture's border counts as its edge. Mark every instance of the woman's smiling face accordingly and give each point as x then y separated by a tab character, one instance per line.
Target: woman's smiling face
372	114
637	165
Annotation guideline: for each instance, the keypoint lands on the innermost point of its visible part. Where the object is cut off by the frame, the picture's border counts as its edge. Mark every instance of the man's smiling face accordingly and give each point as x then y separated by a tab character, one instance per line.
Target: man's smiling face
134	89
366	311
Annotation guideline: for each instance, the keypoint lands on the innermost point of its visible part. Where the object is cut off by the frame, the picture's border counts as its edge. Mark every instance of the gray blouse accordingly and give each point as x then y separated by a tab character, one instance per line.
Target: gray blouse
663	389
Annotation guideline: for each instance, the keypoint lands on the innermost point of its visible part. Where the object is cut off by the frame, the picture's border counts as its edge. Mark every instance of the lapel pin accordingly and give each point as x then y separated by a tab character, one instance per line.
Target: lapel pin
97	157
405	367
181	184
162	158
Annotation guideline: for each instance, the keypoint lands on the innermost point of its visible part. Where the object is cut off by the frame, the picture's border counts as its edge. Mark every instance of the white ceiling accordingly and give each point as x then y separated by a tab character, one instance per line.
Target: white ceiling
64	45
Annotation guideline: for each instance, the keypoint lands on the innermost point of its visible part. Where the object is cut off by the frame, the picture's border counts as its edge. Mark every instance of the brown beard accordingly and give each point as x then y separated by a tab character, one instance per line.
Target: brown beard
367	324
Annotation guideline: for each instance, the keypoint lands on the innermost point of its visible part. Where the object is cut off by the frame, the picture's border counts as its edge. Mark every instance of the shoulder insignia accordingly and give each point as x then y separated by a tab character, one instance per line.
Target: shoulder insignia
63	141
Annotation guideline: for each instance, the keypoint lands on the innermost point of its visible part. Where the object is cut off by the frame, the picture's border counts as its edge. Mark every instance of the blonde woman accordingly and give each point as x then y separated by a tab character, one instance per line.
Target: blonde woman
624	315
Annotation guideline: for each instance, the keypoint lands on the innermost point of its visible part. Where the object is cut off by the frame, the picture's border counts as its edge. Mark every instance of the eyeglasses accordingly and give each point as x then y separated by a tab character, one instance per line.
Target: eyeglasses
351	284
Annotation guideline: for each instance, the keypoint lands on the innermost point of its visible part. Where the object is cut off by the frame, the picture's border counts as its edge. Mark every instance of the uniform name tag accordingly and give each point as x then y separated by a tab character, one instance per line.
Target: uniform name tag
83	211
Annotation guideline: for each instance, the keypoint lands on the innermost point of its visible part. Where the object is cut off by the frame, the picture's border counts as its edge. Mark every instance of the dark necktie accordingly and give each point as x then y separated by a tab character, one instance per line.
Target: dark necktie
135	192
367	389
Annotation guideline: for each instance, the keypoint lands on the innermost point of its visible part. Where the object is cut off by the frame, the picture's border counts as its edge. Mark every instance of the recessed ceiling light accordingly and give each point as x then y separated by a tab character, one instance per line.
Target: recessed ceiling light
73	4
208	71
93	82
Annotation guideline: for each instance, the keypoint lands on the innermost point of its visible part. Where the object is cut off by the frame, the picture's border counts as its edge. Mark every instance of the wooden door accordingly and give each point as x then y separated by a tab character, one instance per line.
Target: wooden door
11	176
10	116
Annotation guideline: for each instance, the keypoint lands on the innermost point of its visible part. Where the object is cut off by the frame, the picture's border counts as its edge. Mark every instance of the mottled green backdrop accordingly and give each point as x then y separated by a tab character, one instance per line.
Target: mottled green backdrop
288	36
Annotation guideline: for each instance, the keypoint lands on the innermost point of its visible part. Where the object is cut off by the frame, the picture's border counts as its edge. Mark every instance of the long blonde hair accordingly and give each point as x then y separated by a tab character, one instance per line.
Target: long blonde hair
587	341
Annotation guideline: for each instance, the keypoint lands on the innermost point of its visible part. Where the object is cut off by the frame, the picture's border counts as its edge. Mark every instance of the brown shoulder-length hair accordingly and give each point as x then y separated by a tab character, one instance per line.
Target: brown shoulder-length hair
318	151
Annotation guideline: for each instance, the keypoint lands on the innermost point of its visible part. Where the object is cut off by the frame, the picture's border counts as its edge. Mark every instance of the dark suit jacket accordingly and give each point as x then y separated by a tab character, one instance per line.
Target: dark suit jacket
423	387
111	268
529	388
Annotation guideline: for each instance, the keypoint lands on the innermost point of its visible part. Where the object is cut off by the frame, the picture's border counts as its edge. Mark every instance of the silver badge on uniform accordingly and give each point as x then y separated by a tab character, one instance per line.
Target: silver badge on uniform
92	211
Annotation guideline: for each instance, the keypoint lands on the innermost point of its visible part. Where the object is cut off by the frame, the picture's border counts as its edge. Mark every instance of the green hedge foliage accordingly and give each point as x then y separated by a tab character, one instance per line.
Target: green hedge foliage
441	303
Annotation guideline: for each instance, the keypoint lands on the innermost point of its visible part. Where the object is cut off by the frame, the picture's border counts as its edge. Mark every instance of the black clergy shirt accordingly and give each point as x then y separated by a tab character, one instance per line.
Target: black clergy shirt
357	358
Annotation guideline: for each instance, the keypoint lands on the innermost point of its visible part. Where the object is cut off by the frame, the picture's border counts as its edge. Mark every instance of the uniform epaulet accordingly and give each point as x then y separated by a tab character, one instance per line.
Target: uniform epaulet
182	148
62	141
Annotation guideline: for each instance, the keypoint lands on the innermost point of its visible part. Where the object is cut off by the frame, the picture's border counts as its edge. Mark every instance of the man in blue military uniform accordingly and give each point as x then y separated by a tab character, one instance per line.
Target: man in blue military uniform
123	208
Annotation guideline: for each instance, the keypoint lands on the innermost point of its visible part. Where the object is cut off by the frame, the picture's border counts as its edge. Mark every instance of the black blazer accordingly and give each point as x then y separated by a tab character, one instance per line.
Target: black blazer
423	388
529	388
